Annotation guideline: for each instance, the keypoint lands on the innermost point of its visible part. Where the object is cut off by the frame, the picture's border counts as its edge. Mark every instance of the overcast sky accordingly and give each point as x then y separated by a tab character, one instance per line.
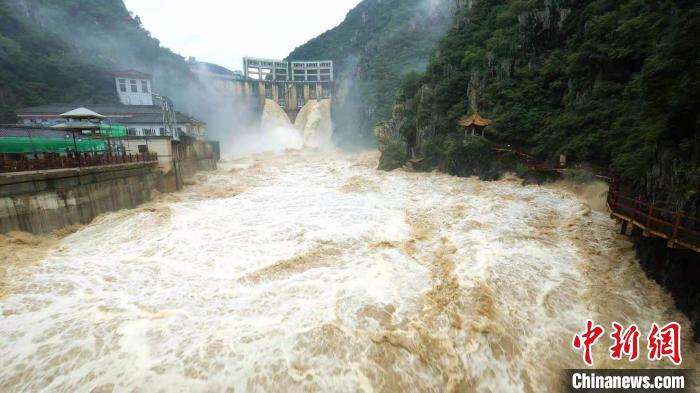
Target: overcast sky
223	31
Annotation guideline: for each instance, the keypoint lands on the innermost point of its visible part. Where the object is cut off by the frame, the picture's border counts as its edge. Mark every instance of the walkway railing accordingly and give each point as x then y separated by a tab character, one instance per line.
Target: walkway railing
680	229
677	227
537	165
66	162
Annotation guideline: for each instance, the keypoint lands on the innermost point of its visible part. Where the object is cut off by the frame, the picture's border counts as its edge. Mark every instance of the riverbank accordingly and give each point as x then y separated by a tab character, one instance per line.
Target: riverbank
39	202
43	201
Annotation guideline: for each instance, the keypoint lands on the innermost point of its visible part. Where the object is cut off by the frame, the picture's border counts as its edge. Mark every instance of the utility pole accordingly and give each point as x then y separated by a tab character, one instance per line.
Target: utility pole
77	154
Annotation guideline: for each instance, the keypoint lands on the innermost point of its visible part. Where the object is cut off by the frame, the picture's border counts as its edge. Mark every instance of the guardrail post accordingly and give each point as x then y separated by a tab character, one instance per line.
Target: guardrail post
678	222
623	228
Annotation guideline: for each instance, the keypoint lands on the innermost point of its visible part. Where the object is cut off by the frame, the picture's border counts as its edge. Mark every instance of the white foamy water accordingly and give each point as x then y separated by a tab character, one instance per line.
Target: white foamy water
310	272
273	116
314	123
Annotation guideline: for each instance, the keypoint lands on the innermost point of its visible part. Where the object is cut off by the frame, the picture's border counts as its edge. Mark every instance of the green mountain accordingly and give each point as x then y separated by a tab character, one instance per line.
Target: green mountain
607	82
373	48
66	51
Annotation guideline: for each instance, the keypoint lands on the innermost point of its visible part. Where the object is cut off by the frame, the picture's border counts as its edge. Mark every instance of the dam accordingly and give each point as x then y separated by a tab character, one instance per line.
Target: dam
289	84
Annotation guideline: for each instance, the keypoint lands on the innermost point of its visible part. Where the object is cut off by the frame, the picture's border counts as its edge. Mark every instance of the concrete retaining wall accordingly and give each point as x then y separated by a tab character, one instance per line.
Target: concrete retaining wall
40	202
190	158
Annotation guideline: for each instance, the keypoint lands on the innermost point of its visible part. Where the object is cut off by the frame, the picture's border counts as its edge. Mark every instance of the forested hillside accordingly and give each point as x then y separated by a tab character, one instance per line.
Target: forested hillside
66	51
377	44
606	82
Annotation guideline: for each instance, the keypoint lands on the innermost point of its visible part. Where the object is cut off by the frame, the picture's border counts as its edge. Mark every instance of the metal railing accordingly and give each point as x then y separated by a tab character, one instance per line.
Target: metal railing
66	162
535	164
677	227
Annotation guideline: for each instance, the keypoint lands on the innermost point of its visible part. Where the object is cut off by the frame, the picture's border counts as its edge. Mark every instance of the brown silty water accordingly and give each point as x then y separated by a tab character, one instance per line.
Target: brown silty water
310	271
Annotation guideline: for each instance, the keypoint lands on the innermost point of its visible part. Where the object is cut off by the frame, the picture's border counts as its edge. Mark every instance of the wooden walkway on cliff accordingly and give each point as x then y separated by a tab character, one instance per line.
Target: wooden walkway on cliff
537	165
676	227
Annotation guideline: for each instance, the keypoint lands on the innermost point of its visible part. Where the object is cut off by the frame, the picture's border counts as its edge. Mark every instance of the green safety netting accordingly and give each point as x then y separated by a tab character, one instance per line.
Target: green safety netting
49	145
112	130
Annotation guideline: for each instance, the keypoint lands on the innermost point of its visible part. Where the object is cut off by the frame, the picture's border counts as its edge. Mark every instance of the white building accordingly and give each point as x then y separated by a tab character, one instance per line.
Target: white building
134	87
265	69
312	71
280	70
142	112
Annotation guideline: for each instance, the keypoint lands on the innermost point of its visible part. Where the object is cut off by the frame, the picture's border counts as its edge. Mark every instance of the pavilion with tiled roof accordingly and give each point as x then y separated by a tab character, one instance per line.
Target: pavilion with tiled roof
474	123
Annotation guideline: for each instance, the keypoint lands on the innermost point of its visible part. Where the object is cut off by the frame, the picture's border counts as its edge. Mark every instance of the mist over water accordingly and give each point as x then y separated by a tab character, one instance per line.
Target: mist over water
310	271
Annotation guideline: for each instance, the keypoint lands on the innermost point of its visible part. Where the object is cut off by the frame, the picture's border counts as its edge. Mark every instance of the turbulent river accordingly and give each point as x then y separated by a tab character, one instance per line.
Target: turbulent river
313	272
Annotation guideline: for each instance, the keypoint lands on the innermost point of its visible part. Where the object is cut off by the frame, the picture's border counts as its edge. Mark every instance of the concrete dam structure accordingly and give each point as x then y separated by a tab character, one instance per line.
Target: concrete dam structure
290	84
291	96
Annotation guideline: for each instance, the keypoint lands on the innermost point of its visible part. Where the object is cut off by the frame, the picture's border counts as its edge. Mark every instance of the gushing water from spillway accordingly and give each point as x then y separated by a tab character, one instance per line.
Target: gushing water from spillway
311	272
312	128
314	123
273	116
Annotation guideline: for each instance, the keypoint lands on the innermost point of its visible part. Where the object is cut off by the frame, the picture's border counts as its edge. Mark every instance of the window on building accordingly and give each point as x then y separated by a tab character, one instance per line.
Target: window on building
149	131
144	86
281	96
254	73
325	90
143	149
300	96
132	132
268	91
134	87
266	74
162	131
122	85
312	91
255	88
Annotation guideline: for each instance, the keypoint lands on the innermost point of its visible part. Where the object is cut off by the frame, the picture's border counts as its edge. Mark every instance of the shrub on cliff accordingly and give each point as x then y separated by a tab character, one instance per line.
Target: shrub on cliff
393	155
471	156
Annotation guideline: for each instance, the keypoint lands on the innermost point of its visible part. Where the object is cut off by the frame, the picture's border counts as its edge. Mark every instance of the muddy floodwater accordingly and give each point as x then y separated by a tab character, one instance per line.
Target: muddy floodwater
314	272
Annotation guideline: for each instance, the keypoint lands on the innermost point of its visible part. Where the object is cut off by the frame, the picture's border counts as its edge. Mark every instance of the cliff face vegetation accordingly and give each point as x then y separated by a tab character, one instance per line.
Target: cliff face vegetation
66	51
377	44
607	82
